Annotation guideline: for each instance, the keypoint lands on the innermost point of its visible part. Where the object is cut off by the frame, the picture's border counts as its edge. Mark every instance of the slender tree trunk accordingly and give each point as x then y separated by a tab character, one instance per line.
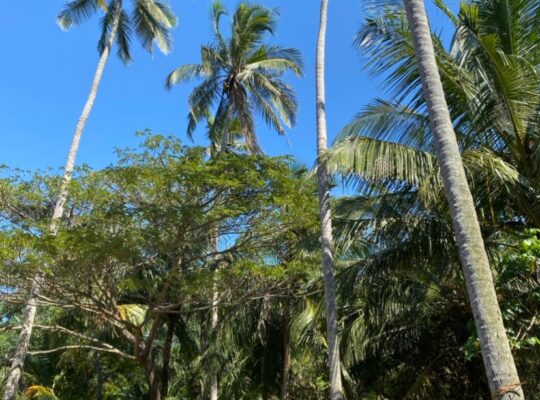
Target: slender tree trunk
29	315
99	371
286	374
214	318
263	338
323	177
151	378
213	326
497	356
165	373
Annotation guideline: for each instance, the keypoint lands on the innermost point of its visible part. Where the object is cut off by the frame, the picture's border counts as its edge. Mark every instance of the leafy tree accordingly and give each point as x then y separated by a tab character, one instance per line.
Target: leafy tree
248	73
138	236
240	76
151	20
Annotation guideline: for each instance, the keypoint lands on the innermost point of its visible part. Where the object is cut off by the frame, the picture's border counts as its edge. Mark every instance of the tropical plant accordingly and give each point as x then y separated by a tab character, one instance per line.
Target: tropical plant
323	185
241	76
389	150
246	76
138	234
151	20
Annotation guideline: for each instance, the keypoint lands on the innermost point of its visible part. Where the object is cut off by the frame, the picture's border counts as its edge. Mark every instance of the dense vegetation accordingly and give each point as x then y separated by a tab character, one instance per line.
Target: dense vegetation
184	272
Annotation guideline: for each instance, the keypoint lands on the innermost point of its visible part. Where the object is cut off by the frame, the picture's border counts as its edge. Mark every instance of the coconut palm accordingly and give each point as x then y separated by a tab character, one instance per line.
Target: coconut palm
241	76
151	20
486	91
334	363
499	362
492	92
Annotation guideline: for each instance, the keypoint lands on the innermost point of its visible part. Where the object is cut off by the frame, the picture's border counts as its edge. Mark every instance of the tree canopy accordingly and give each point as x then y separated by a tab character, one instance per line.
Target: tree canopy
179	266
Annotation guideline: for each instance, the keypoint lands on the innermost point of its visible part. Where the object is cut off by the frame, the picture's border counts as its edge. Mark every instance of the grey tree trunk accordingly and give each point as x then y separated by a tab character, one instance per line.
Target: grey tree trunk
334	364
151	377
214	320
214	317
497	356
29	315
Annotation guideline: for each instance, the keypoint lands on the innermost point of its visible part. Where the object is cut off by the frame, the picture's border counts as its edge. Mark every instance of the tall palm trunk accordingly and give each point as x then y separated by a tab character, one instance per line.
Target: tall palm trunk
336	391
214	320
29	315
497	356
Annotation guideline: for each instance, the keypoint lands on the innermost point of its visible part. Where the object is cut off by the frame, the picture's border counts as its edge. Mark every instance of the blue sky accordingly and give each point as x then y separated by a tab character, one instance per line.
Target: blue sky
46	73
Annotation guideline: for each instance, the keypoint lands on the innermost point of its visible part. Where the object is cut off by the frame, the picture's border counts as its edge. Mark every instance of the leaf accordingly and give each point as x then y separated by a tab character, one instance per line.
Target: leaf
133	313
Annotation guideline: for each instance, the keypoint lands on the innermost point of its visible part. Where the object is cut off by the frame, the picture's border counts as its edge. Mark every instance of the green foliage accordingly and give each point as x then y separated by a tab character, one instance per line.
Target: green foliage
37	392
150	20
408	331
133	271
240	76
133	257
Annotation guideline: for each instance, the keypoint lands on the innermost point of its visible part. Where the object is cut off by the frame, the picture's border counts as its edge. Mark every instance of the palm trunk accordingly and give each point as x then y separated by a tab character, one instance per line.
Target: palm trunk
286	375
213	326
12	382
497	356
214	318
323	177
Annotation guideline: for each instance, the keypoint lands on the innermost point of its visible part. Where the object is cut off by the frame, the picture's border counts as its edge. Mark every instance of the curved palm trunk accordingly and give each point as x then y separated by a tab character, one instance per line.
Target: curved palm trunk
497	356
29	315
336	391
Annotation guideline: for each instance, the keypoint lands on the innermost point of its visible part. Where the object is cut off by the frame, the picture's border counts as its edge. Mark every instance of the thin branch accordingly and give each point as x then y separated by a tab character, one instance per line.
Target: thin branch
70	347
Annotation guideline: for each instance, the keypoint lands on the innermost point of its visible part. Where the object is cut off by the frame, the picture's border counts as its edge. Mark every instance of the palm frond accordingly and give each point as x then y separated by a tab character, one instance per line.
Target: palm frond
77	12
185	73
123	34
391	122
376	160
153	20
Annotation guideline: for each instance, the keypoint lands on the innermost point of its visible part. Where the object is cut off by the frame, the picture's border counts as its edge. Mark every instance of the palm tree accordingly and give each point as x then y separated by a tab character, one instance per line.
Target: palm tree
389	145
491	90
334	363
240	76
498	360
151	20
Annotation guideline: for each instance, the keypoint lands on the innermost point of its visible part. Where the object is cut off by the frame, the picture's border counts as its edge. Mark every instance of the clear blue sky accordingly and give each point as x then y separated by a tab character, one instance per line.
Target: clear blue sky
45	76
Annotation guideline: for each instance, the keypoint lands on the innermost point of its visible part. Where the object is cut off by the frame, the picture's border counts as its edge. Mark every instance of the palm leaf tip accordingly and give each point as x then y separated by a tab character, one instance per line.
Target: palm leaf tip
76	12
152	22
63	21
182	74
